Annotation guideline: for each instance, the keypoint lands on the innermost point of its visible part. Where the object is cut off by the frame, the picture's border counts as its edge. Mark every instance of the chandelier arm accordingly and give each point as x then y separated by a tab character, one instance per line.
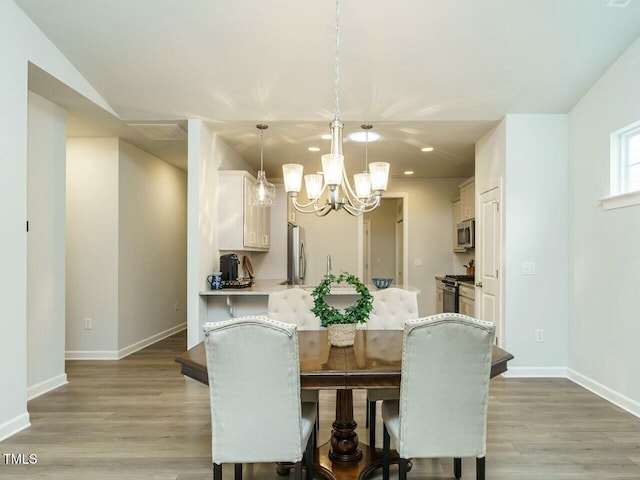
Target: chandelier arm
304	205
369	208
352	198
354	212
304	208
324	211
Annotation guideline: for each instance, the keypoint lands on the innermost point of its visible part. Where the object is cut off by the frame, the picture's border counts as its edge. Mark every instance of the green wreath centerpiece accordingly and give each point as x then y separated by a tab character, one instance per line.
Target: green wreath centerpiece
357	313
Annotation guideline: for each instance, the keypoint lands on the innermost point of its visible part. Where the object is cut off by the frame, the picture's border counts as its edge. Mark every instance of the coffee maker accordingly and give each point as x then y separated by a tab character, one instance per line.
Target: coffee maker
229	266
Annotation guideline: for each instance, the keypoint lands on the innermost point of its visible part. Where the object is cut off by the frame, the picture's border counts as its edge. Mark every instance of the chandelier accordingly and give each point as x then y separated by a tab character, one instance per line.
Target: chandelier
262	192
369	184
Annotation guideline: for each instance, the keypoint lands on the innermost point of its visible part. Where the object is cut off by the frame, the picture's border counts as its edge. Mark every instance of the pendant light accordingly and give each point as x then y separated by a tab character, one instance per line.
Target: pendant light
262	192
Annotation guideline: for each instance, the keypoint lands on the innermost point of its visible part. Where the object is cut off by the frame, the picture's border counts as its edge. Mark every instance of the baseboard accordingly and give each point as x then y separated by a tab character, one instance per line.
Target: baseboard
91	355
46	386
605	392
536	372
13	426
123	352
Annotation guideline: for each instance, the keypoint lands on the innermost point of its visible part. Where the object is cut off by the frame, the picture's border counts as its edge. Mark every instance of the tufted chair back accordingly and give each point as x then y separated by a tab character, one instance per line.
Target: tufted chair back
247	355
293	306
446	364
391	308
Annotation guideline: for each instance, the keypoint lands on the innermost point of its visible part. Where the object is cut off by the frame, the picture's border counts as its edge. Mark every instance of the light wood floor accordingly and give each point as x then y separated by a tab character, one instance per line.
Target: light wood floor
139	418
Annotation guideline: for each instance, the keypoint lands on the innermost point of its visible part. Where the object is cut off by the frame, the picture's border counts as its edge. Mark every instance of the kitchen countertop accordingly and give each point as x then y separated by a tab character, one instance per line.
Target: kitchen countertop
265	287
471	283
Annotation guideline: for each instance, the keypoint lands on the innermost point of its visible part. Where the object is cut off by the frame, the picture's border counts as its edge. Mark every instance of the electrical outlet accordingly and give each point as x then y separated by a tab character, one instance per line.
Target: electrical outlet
528	268
540	336
417	262
88	324
175	305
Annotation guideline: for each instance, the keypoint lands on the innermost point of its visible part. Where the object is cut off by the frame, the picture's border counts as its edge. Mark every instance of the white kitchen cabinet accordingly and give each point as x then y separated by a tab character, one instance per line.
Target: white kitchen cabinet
241	226
466	300
439	299
456	220
468	200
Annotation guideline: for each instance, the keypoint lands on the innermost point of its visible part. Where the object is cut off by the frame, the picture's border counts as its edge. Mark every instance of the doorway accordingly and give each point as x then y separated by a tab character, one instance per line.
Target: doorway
490	247
383	240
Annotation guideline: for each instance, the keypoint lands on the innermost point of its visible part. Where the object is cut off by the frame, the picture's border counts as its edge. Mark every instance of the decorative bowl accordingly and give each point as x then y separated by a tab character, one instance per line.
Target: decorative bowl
382	282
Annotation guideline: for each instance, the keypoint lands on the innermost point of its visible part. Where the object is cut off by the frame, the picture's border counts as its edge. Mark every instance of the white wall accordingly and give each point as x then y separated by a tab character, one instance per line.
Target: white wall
20	42
92	247
490	171
604	274
383	239
536	231
430	232
152	246
335	235
46	246
527	155
126	248
207	153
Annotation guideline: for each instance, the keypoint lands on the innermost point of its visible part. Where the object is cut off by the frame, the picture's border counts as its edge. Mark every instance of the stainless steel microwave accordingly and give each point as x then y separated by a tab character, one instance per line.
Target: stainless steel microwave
467	234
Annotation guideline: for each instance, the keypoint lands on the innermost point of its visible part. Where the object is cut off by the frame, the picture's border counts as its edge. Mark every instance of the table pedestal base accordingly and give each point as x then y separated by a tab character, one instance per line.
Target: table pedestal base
370	461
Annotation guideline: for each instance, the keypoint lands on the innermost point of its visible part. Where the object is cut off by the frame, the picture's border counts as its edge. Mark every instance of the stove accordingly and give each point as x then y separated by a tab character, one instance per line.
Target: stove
454	280
451	291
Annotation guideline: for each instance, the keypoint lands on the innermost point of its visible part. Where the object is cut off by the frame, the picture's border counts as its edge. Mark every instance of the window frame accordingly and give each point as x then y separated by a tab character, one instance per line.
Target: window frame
620	195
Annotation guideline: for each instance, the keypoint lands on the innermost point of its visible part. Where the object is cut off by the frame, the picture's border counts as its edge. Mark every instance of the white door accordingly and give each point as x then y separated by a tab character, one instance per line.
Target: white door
490	235
399	252
366	251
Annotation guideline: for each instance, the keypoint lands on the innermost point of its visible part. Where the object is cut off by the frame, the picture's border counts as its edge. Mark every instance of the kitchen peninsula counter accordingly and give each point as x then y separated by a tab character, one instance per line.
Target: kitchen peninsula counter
228	303
265	287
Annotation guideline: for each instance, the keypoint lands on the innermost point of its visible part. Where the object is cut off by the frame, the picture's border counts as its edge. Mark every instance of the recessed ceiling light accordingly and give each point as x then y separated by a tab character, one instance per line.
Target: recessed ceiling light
618	3
361	136
326	136
314	149
427	149
409	172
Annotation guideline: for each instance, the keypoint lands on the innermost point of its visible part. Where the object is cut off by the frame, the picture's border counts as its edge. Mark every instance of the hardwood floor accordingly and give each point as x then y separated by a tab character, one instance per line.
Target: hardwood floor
138	418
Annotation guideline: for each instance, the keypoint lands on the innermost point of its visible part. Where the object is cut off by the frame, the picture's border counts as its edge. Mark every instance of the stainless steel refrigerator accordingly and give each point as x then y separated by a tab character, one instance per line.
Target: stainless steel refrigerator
296	261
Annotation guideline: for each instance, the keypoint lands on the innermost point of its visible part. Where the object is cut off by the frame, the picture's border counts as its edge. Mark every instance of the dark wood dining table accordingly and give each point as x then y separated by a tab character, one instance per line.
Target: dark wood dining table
374	361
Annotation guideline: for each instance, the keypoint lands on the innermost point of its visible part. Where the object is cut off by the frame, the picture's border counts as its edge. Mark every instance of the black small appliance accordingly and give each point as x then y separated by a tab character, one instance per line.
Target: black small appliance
229	266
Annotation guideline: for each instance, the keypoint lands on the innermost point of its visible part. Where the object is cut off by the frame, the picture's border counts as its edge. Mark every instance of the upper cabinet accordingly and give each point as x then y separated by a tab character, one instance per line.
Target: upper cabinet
241	226
467	200
456	220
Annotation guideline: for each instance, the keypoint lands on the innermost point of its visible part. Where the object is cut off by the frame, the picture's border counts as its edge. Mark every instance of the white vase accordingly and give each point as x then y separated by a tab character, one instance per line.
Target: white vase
341	334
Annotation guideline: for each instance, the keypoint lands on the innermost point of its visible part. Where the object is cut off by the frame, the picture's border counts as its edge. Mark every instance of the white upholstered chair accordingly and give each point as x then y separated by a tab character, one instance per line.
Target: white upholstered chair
444	392
247	355
293	306
391	308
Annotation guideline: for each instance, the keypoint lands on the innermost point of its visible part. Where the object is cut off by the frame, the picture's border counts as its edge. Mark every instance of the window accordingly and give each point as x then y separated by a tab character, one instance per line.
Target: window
625	168
632	179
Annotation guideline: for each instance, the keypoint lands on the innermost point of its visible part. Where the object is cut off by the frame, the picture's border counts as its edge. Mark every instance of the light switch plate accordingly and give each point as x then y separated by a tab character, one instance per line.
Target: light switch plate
417	262
528	268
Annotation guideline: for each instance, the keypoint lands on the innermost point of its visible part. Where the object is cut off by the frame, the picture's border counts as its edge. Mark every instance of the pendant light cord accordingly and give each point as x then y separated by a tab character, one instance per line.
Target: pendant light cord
336	111
261	149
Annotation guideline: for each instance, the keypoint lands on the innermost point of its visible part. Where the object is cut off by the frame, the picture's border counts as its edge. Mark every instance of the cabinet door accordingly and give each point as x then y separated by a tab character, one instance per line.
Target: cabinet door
456	221
250	218
467	201
467	306
264	226
439	300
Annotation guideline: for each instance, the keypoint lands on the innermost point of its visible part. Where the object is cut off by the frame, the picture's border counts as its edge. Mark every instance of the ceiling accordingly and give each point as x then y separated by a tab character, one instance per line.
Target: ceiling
429	72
